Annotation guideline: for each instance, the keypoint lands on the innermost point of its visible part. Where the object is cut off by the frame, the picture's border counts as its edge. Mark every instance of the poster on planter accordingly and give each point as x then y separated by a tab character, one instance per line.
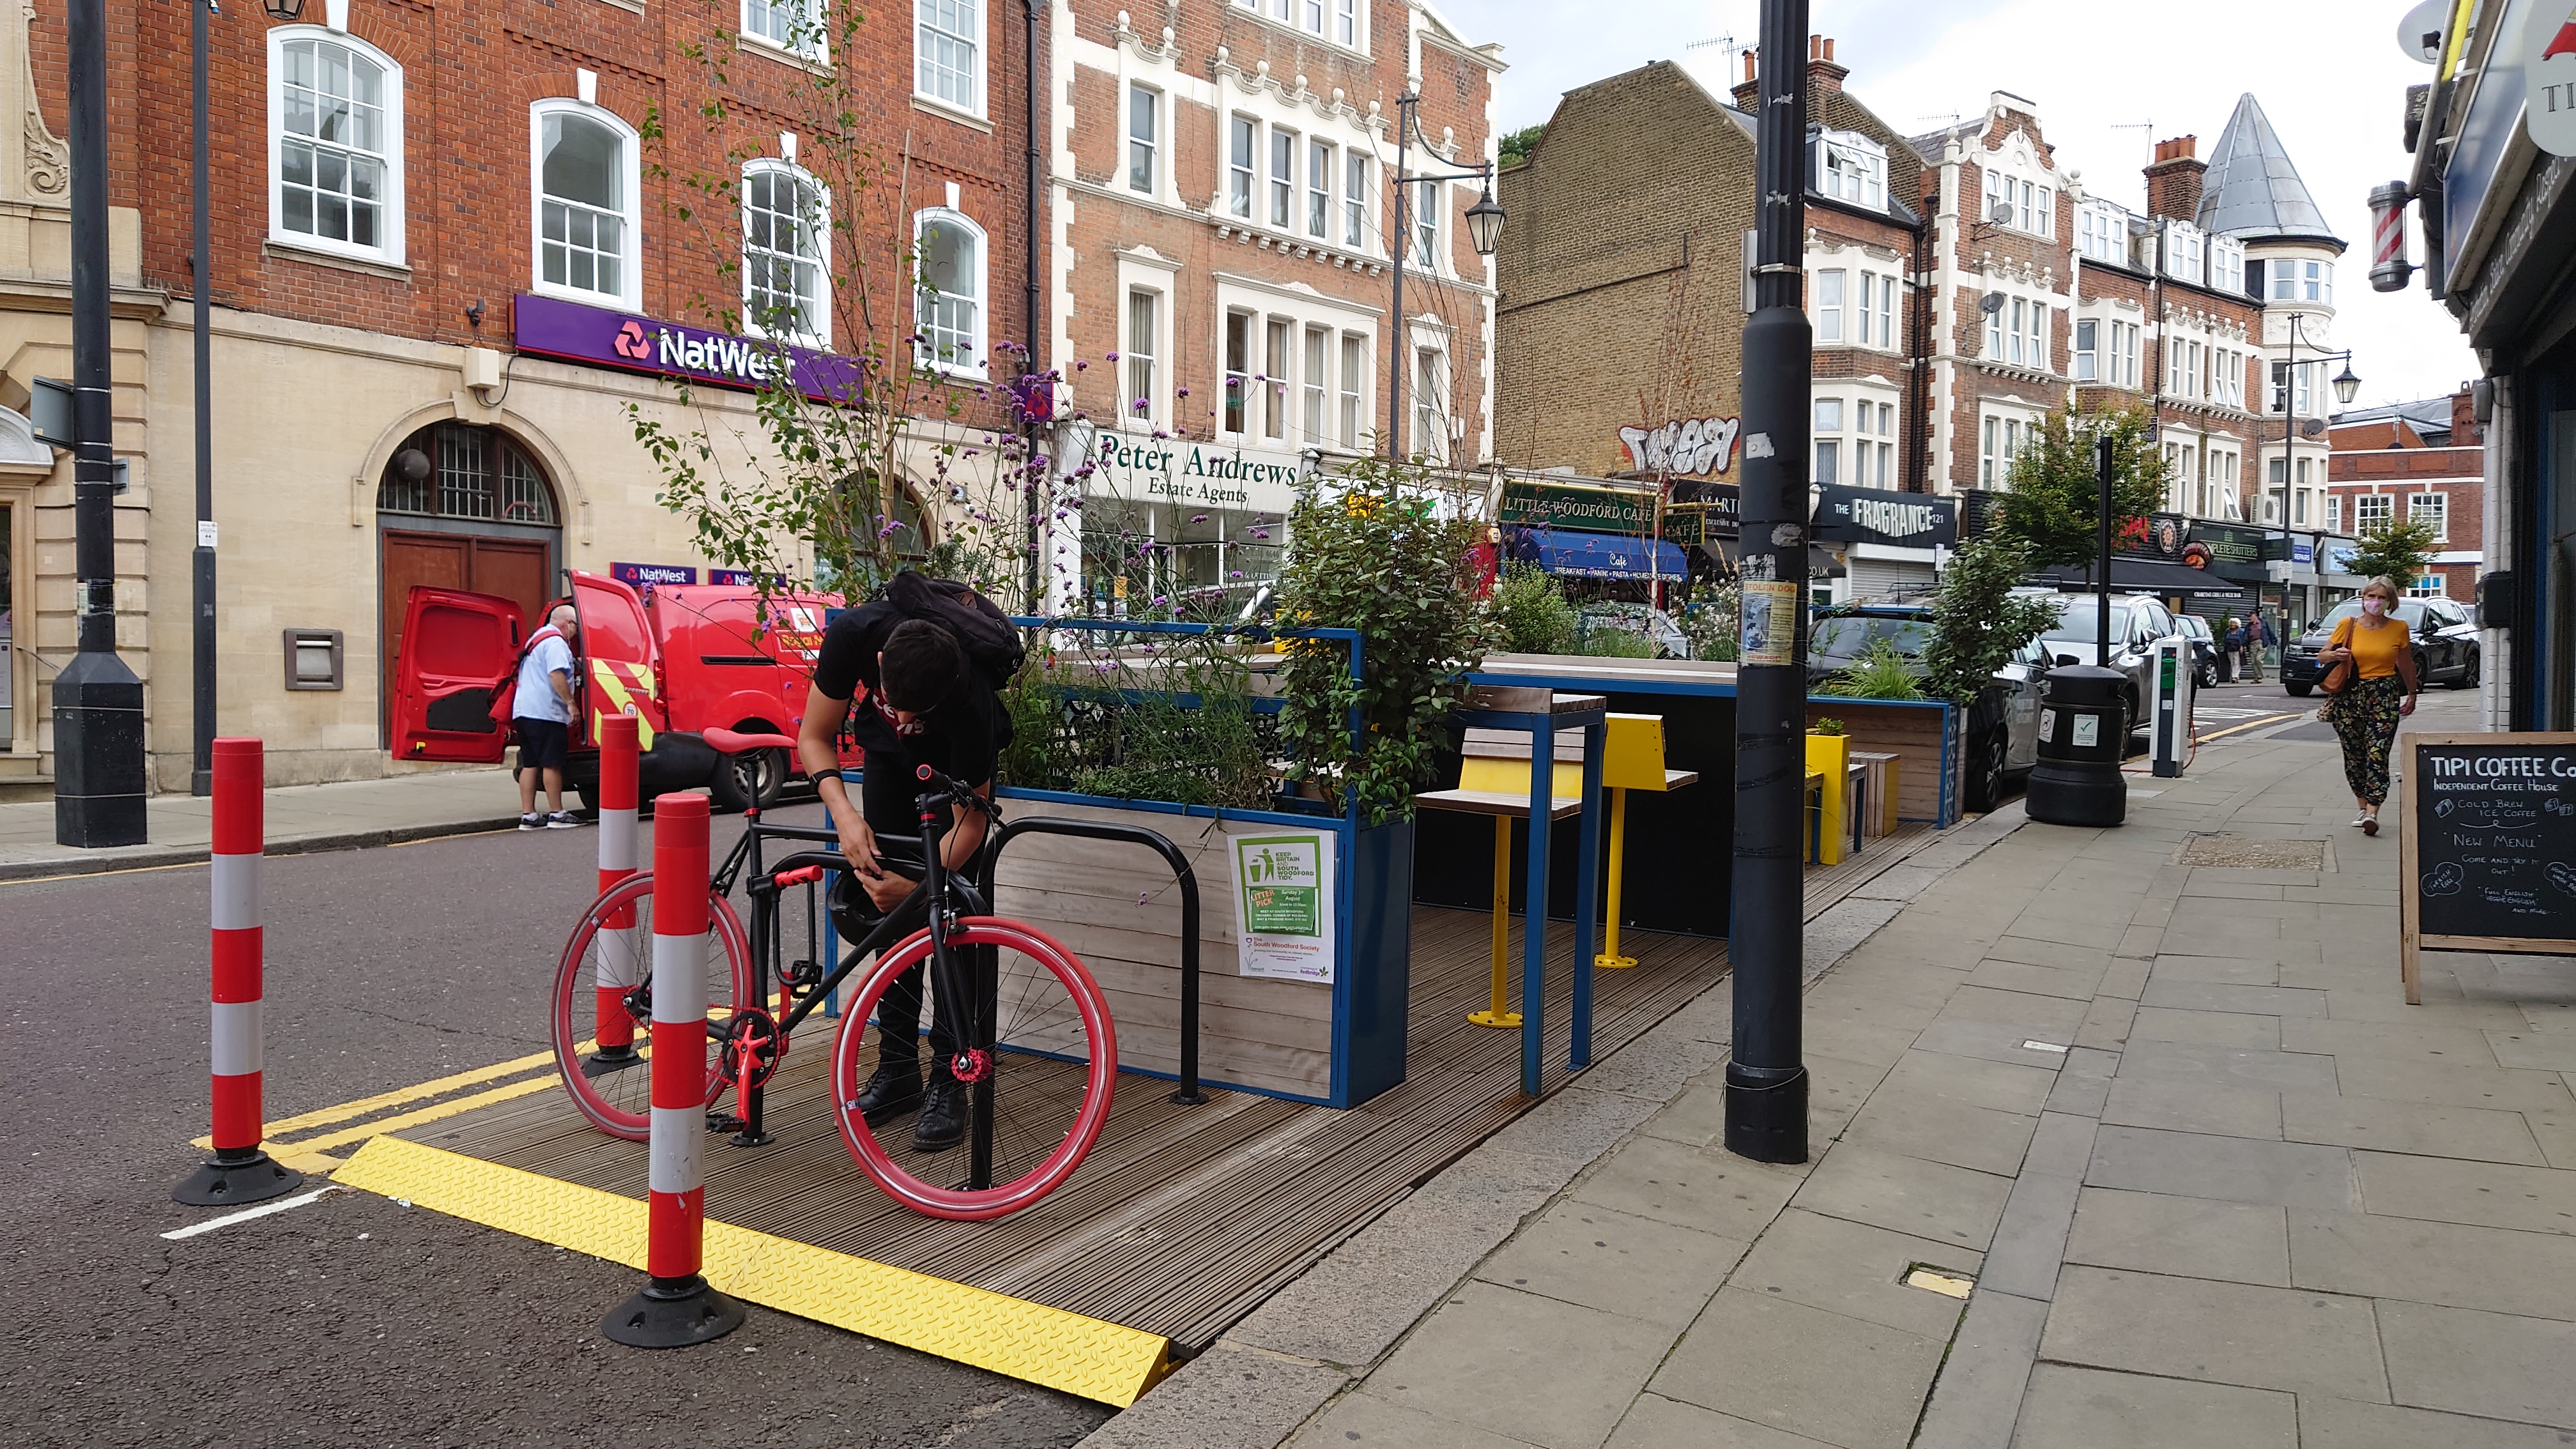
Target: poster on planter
1283	905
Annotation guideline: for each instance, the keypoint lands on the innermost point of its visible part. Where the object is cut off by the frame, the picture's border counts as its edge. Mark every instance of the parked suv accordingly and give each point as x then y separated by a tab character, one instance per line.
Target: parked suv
2446	644
2137	622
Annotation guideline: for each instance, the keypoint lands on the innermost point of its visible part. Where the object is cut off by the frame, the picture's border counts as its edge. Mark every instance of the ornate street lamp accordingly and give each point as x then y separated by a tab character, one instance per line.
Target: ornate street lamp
1484	231
1485	225
2346	382
284	11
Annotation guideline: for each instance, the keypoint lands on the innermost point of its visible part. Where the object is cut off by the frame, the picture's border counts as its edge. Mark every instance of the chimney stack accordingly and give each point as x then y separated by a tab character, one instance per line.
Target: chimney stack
1748	91
1824	78
2173	182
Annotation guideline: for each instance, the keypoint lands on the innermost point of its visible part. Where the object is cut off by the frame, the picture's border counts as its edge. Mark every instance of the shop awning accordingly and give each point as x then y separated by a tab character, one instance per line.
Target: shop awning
1602	555
2148	576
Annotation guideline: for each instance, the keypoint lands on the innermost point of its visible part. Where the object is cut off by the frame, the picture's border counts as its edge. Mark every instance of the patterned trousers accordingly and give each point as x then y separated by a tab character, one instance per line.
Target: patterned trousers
2365	719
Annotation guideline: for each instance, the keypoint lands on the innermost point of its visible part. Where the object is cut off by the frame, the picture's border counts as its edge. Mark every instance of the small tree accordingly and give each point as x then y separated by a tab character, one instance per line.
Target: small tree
1514	147
2395	548
1977	619
2054	507
1375	549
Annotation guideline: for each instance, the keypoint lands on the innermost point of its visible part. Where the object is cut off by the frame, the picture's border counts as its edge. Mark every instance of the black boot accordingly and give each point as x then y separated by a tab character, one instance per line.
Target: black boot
894	1090
942	1123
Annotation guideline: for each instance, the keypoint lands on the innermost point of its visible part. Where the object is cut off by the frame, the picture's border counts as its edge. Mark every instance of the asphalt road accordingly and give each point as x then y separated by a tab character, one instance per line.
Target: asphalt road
354	1320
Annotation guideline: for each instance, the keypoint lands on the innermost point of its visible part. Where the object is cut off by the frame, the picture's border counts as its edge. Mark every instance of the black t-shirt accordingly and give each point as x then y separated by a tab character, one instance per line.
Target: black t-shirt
962	735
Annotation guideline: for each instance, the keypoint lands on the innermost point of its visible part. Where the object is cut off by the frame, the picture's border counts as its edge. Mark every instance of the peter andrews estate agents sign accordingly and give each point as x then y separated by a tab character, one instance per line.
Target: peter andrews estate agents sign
573	332
1145	469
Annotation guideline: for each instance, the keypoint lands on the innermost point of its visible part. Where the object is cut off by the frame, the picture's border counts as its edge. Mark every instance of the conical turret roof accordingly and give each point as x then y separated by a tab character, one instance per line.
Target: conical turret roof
2252	190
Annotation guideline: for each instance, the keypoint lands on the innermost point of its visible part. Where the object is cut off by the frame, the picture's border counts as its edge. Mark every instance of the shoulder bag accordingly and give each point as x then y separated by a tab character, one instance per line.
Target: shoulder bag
2339	678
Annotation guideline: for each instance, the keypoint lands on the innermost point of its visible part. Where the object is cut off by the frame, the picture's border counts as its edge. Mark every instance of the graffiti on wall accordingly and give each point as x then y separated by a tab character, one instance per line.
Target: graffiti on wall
1695	445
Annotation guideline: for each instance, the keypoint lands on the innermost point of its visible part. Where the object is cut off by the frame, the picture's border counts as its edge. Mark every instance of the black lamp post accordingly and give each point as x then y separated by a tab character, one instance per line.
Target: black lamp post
1484	232
98	703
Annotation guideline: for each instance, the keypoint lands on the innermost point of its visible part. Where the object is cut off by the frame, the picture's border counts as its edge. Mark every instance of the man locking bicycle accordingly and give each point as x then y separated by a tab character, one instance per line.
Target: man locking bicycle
931	657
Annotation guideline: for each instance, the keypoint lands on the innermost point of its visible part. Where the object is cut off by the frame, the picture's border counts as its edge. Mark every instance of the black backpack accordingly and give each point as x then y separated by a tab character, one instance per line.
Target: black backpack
990	642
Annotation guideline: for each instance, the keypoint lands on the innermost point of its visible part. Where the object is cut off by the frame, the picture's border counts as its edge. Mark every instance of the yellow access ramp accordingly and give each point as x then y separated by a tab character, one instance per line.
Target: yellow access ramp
1079	1355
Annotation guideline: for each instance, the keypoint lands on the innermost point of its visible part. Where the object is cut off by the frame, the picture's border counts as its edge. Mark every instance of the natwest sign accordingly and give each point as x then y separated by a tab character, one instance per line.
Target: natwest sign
548	327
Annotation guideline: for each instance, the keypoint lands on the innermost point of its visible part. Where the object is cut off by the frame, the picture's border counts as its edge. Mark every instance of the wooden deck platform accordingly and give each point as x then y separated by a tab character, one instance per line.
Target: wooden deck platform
1182	1219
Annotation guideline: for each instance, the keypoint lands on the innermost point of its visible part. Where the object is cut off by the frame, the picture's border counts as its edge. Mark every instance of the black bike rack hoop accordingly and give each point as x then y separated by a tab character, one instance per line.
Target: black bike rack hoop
1189	1094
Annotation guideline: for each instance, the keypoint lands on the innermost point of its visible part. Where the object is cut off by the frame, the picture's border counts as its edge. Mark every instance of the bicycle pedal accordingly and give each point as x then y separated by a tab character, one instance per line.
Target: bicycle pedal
722	1122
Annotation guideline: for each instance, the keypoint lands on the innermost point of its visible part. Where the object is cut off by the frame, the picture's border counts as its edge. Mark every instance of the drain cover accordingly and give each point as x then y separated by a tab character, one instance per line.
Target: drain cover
2243	852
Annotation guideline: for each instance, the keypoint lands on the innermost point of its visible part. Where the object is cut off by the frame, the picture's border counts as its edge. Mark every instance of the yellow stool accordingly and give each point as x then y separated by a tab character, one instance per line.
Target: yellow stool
1505	806
1632	758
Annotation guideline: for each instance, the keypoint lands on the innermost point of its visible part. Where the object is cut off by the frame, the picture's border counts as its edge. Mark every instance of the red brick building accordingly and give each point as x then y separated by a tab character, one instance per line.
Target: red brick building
1220	226
433	232
2420	460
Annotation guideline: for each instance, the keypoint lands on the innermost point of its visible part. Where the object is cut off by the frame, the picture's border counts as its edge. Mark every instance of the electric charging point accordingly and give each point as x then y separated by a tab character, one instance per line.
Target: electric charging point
2172	718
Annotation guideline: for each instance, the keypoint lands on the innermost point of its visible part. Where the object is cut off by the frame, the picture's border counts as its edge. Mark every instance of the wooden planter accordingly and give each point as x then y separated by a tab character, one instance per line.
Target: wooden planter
1118	908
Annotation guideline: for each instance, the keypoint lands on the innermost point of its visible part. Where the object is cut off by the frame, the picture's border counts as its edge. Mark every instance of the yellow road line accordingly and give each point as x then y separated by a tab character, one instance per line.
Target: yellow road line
1105	1362
364	1105
365	1130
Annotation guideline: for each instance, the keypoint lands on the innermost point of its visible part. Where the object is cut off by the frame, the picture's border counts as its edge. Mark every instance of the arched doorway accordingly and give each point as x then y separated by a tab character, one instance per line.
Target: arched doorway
463	507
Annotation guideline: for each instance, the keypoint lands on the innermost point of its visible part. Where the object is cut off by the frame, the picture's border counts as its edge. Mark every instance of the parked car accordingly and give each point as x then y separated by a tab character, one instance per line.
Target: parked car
2446	644
2204	650
2001	733
2137	622
1841	637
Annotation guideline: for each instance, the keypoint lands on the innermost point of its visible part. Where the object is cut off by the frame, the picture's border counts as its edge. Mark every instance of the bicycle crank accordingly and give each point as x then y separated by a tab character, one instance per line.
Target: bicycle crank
750	1045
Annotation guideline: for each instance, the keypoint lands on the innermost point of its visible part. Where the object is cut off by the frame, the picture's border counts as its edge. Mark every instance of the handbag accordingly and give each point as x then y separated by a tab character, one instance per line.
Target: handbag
2339	678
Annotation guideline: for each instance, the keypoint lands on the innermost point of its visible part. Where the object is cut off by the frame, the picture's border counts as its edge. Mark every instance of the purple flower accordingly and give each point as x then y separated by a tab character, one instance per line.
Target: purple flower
1109	357
1181	391
1198	518
1143	403
1081	366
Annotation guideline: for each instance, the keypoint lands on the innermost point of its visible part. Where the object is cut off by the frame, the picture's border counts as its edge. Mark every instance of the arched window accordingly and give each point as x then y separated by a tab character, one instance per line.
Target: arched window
586	220
950	254
334	144
786	253
457	470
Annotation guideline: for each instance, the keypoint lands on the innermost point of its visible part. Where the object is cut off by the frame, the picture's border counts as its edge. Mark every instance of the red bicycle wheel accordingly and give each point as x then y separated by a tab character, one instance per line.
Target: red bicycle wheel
1054	1062
602	1021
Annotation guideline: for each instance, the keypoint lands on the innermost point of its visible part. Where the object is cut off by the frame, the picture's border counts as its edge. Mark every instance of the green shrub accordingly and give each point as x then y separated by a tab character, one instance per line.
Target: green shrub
1615	643
1826	726
1531	610
1881	672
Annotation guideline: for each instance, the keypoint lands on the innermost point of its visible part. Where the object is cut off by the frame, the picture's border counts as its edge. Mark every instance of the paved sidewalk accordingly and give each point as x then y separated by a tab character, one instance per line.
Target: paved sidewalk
2215	1184
299	818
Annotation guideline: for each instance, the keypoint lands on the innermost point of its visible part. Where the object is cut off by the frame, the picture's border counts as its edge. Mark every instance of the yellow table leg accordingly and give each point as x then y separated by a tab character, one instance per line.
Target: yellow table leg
1610	959
1499	1012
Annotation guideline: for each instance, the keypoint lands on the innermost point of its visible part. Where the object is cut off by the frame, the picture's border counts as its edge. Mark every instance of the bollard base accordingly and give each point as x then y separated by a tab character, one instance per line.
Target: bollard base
1494	1018
1613	963
222	1180
612	1059
672	1313
2078	793
1766	1112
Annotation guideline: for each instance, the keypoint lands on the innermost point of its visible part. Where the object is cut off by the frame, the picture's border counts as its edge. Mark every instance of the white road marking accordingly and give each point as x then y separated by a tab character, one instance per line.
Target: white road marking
246	1214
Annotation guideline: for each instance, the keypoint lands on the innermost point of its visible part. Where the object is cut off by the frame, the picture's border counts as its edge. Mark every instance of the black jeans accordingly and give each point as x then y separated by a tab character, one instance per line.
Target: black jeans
886	801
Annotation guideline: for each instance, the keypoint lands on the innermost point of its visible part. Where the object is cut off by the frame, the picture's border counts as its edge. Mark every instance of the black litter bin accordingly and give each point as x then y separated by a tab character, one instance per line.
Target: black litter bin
2083	735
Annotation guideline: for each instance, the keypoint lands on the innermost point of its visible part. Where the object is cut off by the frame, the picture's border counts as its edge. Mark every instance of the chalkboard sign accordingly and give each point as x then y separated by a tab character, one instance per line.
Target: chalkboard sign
2487	846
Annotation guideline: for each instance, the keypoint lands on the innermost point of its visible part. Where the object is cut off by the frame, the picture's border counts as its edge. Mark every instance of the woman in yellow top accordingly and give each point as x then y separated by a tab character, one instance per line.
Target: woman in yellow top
2381	650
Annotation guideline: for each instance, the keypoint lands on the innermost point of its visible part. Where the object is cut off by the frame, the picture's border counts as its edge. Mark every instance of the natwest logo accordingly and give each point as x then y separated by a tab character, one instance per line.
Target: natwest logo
575	332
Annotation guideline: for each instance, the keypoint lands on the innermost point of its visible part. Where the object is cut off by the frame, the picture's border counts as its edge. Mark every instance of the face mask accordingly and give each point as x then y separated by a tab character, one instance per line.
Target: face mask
2374	607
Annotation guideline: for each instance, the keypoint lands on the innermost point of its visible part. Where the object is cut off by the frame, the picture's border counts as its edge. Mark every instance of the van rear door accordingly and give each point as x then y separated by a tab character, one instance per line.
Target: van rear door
456	649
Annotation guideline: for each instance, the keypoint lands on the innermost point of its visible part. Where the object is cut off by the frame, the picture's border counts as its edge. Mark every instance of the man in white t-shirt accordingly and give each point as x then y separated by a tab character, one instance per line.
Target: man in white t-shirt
541	717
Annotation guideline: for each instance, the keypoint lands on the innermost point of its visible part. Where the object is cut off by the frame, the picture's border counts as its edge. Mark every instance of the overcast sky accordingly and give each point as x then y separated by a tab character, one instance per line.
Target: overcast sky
2328	73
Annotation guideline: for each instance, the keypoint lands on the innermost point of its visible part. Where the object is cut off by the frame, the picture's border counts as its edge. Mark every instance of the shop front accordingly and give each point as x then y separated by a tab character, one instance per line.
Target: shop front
1891	543
1168	524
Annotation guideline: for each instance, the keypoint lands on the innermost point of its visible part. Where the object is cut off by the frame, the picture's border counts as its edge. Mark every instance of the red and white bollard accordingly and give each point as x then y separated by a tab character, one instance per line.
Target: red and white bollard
621	957
676	1307
239	1171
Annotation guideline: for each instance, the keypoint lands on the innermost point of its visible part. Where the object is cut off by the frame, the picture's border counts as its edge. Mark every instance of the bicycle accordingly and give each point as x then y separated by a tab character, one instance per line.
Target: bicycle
1033	1036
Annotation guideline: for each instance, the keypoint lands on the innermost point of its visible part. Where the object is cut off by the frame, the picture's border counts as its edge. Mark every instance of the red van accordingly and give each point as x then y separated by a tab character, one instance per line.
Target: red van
681	658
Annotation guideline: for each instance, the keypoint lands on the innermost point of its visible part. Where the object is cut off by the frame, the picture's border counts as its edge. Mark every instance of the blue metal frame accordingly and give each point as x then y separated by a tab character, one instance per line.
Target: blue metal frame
1542	726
